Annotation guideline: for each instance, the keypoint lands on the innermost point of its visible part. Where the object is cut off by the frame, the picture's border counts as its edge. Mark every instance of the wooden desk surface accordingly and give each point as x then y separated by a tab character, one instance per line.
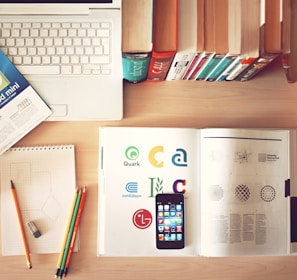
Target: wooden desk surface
171	105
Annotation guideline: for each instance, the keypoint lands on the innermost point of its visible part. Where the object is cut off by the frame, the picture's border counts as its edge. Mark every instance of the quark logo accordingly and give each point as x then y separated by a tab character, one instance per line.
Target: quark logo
4	82
132	153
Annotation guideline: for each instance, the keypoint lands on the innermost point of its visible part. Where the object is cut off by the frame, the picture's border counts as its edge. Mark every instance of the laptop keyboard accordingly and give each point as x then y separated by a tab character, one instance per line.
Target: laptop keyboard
68	48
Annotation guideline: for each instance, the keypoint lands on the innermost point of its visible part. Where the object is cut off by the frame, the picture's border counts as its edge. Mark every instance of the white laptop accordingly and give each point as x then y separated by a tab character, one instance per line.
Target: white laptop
70	51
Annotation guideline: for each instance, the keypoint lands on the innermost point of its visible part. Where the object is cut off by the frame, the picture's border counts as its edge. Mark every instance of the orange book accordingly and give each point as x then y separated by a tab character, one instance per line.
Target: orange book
289	40
165	29
272	34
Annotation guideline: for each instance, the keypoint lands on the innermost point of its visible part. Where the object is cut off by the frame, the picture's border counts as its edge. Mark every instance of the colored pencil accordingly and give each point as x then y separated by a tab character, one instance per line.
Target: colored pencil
66	234
66	249
75	230
21	224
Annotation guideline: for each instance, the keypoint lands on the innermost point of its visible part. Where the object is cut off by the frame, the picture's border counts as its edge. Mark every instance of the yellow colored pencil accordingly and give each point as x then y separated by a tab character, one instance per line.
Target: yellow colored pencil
66	234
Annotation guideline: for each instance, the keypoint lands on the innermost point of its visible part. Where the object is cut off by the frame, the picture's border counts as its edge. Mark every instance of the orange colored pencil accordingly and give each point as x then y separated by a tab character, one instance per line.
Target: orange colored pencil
21	224
75	230
66	234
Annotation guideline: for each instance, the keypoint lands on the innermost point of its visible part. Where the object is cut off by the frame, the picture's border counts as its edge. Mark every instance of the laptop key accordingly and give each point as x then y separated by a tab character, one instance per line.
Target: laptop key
41	70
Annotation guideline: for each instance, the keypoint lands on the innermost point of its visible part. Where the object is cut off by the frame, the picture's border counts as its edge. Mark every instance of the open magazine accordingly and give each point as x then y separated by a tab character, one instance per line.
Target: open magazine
235	182
21	107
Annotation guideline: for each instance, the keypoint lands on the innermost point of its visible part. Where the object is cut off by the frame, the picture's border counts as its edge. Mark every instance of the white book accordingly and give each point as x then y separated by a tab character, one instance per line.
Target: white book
234	181
187	17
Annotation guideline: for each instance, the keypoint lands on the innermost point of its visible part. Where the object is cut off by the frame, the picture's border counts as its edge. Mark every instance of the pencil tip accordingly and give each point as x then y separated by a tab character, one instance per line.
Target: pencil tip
12	184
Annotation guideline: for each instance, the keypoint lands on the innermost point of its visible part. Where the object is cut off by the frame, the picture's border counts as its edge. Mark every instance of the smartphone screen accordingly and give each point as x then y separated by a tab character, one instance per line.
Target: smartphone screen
170	231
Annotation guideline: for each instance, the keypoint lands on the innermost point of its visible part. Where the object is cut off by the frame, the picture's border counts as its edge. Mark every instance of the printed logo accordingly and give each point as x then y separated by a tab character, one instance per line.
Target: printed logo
176	184
142	218
156	155
156	186
4	82
132	153
131	190
180	158
132	187
154	159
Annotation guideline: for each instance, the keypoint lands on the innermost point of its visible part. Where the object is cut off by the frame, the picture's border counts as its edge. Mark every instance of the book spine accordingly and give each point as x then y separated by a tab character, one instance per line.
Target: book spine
256	67
202	59
205	58
289	40
240	67
229	69
209	66
190	68
135	66
159	65
220	67
179	65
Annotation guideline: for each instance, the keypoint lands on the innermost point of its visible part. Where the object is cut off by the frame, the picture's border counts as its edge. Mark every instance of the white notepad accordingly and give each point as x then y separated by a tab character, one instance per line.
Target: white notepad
44	178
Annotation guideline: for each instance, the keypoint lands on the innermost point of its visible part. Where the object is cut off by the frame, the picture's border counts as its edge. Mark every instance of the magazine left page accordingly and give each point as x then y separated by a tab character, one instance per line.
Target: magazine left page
21	107
136	164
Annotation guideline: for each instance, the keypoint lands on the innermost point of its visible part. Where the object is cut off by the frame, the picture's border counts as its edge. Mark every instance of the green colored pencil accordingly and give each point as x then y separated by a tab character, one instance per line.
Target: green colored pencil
69	236
66	234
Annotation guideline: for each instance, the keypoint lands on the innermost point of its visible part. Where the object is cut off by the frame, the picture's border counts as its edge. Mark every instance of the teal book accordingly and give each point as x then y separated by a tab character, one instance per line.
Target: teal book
135	66
220	67
21	107
209	66
137	23
229	69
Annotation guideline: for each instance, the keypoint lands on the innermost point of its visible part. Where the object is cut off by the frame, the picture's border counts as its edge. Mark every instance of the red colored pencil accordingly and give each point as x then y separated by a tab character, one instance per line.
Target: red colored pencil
75	230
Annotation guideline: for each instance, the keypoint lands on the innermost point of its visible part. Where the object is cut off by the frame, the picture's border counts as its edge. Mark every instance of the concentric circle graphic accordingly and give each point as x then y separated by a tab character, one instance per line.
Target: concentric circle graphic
268	193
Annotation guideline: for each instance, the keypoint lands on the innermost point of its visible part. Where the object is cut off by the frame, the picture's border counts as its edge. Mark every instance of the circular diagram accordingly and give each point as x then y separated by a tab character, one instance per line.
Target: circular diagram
216	193
242	192
268	193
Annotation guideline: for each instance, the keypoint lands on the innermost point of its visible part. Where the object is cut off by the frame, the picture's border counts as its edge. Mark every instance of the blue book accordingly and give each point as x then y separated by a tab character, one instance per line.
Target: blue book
220	67
21	107
229	69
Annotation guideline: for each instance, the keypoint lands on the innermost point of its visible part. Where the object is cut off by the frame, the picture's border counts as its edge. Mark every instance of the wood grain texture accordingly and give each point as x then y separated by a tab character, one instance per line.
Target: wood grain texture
266	101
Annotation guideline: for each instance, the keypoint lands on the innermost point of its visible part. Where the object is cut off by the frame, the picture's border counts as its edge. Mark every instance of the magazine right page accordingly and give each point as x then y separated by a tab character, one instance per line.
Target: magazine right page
244	210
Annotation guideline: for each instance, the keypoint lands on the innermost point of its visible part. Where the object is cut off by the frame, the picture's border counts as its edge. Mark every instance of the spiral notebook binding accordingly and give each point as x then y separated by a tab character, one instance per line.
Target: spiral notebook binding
42	148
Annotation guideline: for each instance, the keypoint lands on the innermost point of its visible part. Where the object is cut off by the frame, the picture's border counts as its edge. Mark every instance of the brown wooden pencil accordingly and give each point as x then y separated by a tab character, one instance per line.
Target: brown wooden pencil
21	224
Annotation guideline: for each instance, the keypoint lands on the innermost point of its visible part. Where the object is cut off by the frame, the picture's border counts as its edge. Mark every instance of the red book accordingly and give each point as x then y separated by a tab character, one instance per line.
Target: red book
165	29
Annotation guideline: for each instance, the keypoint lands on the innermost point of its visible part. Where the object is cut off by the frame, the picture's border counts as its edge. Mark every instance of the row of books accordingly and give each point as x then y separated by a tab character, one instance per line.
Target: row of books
212	40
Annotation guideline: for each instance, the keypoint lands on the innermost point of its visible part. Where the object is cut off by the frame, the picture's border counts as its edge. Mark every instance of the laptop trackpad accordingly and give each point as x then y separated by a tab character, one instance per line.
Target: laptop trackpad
59	110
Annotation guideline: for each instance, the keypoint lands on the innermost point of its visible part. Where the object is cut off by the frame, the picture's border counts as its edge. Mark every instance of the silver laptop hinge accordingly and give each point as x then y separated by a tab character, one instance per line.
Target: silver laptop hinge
43	10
